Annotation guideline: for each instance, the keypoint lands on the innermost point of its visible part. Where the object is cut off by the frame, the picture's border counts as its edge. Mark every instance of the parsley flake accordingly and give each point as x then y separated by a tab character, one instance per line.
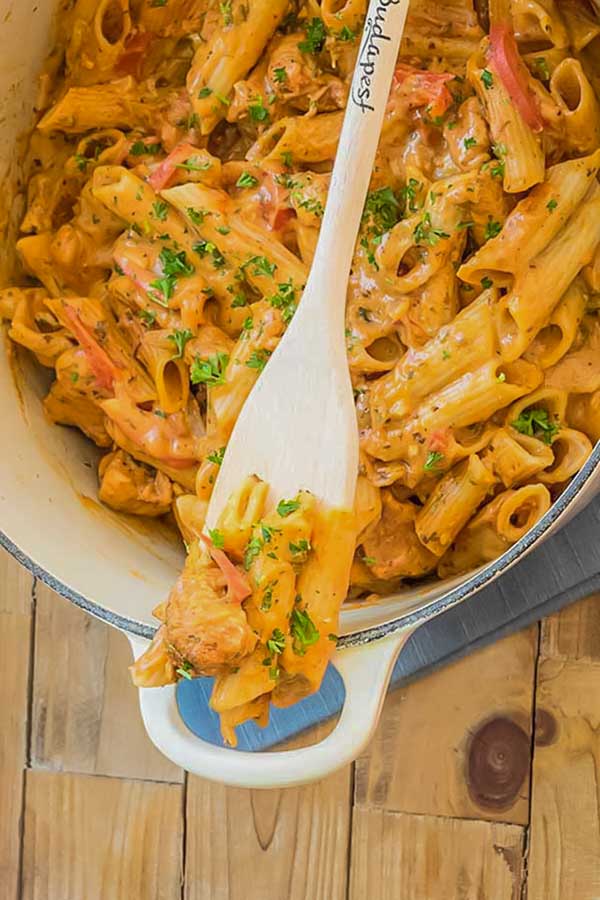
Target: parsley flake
180	339
433	460
209	371
315	35
536	422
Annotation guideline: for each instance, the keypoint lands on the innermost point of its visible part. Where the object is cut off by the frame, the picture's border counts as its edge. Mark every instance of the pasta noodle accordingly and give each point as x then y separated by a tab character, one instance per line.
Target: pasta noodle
177	180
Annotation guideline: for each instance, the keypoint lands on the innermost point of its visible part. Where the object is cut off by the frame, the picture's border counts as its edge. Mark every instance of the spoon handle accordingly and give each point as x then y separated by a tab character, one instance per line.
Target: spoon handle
356	150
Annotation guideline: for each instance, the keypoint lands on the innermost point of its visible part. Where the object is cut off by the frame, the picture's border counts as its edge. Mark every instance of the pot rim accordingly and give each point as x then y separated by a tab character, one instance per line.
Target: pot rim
428	610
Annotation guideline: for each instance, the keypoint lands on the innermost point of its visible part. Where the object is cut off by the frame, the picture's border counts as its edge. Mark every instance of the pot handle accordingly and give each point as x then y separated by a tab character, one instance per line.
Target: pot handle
365	671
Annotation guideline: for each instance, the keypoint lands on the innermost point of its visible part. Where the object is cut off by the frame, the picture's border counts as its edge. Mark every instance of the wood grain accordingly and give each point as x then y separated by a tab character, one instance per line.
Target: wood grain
395	856
458	742
285	845
15	632
565	820
574	632
85	709
95	838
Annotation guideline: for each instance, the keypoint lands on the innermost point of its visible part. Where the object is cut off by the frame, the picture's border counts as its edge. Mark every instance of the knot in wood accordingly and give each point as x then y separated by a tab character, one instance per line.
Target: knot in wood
497	763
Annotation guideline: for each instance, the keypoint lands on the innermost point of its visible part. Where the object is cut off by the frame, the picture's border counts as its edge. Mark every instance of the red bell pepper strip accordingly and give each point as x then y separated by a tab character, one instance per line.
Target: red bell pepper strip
427	88
104	369
507	64
165	170
237	586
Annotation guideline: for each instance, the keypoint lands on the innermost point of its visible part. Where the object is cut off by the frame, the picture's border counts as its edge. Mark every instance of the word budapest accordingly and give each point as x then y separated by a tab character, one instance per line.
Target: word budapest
365	69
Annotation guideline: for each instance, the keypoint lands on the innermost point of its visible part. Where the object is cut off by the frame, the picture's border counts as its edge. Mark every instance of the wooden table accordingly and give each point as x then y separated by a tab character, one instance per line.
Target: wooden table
455	799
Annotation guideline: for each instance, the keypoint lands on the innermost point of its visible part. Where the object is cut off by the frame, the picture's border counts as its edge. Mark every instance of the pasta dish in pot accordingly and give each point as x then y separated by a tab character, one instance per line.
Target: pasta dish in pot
177	178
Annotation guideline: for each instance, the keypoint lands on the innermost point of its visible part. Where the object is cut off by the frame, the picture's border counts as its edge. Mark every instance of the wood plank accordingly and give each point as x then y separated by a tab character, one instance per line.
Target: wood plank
95	838
565	818
395	855
458	742
574	632
250	845
15	633
85	710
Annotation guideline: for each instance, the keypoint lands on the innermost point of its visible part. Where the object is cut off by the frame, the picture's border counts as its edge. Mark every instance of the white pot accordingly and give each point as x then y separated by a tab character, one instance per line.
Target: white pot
118	569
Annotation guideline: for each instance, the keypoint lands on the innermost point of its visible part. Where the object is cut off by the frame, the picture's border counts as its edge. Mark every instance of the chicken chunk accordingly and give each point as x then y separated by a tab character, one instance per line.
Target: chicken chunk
392	548
205	630
131	487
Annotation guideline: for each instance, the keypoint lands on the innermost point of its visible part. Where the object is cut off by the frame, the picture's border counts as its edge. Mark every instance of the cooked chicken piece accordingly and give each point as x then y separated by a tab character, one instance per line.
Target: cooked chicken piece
205	629
392	548
131	487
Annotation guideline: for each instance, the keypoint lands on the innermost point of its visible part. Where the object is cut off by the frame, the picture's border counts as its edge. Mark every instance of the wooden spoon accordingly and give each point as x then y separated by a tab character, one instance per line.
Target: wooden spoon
297	429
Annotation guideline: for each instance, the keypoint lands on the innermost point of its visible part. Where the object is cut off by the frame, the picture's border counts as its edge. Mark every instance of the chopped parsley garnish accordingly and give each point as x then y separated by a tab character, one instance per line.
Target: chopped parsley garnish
209	371
196	215
186	669
433	460
162	289
156	3
384	209
246	180
310	204
287	507
204	92
139	148
286	158
285	300
541	67
180	339
409	194
253	548
223	229
276	643
469	142
492	229
222	99
280	75
315	35
81	162
74	376
467	224
207	248
258	359
216	456
303	631
226	12
258	111
261	264
301	548
217	538
425	233
346	34
268	531
551	205
267	598
536	422
148	316
487	79
194	164
175	263
160	210
486	282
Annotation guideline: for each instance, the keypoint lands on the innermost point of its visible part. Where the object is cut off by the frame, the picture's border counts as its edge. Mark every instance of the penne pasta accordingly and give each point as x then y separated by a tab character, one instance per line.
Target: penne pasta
173	195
